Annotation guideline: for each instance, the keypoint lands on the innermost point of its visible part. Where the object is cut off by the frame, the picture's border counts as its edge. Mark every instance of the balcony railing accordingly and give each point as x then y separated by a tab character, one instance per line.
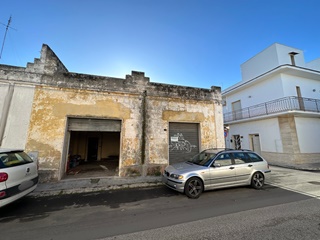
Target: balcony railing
276	106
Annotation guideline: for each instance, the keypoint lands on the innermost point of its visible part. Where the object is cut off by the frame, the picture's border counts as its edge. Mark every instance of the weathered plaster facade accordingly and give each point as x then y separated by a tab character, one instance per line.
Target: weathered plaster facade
145	110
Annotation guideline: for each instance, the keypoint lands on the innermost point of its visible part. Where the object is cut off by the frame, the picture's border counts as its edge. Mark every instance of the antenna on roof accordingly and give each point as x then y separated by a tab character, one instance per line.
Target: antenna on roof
5	35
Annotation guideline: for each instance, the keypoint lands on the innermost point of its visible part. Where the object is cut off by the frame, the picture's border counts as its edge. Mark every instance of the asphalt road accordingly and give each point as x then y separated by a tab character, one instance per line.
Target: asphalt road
160	213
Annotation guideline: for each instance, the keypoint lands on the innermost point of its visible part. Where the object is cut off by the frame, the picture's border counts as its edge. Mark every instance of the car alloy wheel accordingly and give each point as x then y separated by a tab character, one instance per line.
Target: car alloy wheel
257	180
193	187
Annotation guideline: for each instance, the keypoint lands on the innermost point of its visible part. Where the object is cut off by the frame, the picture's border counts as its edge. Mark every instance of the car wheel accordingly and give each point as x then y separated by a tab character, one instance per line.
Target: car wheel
257	180
193	187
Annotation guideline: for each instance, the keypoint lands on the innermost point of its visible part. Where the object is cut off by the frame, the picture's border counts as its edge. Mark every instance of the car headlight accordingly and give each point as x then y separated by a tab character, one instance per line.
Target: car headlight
176	176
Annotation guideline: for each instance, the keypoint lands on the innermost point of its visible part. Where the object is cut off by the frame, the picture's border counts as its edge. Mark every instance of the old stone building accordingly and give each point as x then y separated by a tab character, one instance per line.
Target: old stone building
126	127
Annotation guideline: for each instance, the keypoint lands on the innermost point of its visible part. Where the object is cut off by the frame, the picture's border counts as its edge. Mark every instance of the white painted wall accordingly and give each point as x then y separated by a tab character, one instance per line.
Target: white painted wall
260	63
308	131
306	86
284	57
258	93
270	58
268	130
19	117
283	85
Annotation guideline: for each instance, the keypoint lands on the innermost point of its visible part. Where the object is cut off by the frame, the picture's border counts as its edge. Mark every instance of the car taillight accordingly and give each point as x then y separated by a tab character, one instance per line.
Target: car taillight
3	176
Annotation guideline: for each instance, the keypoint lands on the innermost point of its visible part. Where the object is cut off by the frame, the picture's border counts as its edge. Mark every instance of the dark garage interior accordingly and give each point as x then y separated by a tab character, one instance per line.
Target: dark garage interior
93	154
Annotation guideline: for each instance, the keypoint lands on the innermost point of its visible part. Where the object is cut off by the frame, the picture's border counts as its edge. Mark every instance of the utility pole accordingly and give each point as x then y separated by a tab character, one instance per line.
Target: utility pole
5	35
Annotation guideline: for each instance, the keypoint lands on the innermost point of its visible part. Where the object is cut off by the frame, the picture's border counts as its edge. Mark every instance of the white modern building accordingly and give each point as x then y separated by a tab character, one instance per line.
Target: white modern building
275	109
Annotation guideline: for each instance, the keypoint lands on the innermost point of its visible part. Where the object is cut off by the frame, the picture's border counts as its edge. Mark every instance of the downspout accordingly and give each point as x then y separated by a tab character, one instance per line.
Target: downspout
5	111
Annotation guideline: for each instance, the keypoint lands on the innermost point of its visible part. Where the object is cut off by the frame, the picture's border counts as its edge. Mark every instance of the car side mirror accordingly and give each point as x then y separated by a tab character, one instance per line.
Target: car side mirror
216	164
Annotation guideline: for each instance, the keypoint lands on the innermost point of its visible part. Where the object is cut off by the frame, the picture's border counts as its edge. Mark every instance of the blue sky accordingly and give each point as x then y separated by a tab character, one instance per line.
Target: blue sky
198	43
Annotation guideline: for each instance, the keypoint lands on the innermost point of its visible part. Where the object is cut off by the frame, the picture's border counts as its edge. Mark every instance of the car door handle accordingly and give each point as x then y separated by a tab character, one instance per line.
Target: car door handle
231	167
249	165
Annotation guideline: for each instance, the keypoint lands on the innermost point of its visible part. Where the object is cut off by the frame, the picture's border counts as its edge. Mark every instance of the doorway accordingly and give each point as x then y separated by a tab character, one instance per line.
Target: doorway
237	142
255	143
236	110
300	99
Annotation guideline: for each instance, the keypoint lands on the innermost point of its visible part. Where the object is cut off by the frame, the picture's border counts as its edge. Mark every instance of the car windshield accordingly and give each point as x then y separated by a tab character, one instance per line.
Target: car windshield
11	159
203	158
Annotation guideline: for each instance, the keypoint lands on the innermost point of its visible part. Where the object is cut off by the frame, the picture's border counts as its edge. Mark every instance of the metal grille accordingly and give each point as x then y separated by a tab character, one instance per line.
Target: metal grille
94	125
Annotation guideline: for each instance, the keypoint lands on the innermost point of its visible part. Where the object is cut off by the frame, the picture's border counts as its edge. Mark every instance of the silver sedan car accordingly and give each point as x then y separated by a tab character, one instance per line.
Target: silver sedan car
216	168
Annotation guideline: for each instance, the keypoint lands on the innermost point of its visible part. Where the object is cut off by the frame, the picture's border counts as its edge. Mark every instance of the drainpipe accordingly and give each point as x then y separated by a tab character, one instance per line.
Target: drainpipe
5	111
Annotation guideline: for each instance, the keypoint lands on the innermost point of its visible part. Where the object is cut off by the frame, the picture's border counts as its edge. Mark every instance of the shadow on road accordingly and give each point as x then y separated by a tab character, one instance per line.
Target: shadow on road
31	208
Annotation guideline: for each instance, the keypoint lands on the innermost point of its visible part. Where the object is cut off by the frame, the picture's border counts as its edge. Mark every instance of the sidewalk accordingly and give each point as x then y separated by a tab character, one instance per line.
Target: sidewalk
69	186
303	182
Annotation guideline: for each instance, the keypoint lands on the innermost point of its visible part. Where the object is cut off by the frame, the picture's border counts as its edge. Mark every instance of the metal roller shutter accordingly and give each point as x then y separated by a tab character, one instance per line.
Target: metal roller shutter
93	125
183	141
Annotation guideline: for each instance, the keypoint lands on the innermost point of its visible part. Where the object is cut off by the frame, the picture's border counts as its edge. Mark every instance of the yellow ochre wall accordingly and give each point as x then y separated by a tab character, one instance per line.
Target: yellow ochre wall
52	106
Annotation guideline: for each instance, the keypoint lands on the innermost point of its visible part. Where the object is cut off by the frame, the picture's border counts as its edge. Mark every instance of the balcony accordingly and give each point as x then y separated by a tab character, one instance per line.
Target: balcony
276	106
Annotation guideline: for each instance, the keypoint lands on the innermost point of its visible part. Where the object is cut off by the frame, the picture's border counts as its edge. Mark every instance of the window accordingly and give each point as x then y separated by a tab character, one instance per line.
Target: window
204	158
241	158
254	157
11	159
223	159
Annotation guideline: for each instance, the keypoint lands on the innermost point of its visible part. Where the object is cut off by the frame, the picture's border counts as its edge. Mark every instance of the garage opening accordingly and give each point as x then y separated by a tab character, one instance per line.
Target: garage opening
183	141
94	148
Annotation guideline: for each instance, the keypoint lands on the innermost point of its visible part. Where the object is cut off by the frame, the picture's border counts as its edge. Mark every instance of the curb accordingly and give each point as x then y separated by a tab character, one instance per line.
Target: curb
46	190
301	168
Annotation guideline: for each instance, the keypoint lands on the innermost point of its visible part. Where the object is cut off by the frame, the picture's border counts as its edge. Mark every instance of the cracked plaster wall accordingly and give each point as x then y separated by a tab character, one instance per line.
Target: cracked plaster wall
145	109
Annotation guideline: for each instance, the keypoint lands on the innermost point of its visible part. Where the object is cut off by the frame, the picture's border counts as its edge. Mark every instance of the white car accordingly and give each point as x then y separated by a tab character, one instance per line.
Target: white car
18	175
